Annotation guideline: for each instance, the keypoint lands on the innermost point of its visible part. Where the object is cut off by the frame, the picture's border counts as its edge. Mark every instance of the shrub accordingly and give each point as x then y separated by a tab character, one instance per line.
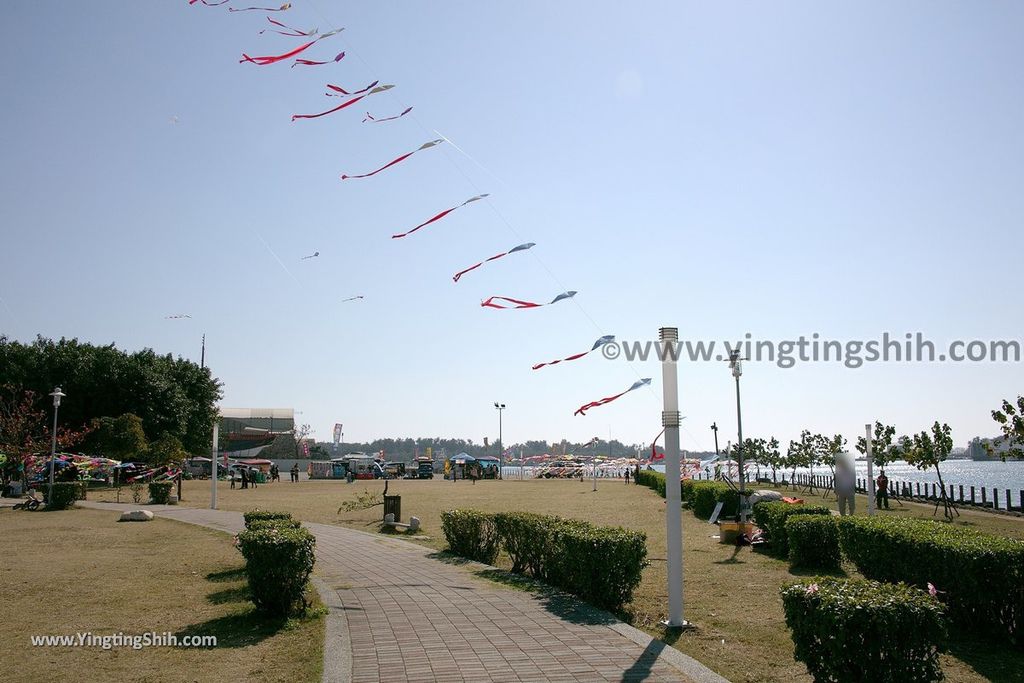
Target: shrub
981	576
160	491
813	541
263	515
275	523
652	480
857	630
602	565
526	538
471	534
707	494
61	495
136	489
278	562
771	517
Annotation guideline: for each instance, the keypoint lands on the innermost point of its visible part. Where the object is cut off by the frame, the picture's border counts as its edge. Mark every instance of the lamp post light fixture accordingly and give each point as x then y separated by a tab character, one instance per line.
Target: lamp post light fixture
736	364
57	396
501	444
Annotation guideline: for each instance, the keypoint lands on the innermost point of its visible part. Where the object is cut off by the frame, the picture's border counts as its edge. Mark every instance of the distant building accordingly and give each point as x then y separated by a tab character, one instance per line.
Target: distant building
250	429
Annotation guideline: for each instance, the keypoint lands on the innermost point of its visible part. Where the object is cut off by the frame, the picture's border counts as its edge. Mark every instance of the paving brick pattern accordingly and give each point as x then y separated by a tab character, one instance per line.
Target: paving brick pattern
415	618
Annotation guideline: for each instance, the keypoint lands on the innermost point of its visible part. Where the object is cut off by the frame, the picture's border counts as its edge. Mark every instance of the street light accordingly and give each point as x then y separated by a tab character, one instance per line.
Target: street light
57	396
500	407
736	364
714	428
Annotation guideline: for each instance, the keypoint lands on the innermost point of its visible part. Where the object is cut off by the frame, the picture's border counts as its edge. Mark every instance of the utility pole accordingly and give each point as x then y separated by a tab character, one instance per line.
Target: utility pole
202	354
714	428
500	407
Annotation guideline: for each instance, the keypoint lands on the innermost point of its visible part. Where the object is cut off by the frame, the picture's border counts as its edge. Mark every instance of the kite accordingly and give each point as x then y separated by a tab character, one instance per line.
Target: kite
425	145
353	298
582	410
607	339
438	216
521	247
305	62
497	301
390	118
298	33
379	88
313	255
272	59
339	91
282	8
209	4
176	316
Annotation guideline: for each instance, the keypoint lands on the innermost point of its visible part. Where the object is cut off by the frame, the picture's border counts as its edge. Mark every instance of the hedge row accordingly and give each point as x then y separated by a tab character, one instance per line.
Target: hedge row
707	494
813	541
980	576
602	565
279	556
771	516
857	630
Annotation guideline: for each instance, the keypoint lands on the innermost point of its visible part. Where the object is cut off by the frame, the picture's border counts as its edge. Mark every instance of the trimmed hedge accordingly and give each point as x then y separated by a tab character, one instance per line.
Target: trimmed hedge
263	515
471	533
857	630
813	541
602	565
62	494
276	523
981	576
770	516
160	491
707	494
278	562
656	480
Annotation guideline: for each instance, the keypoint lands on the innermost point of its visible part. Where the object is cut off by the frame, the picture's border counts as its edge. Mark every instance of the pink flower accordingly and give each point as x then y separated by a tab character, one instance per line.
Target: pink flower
813	588
933	591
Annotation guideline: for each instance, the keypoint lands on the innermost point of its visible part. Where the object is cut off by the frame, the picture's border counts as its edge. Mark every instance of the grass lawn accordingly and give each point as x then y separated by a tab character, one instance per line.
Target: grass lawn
730	594
82	571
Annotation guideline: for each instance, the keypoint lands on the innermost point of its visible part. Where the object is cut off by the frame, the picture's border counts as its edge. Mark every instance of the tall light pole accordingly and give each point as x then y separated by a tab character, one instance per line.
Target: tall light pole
714	428
670	419
57	396
736	363
500	407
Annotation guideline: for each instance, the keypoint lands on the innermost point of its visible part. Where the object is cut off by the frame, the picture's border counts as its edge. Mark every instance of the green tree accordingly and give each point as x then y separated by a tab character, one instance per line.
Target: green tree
772	457
799	454
164	451
930	450
120	438
884	449
25	430
170	395
1011	422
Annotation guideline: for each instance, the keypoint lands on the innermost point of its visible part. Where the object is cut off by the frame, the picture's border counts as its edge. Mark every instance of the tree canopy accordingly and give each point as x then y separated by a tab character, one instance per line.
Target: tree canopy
171	396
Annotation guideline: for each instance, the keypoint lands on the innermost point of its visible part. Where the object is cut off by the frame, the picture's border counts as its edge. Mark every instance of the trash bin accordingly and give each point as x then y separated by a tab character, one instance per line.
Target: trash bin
393	506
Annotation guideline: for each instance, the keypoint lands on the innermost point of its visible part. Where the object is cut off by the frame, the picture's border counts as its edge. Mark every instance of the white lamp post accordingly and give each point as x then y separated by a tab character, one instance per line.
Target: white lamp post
670	420
57	396
736	363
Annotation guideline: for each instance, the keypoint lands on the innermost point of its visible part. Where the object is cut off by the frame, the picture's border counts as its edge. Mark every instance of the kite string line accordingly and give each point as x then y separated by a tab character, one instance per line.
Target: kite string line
469	180
278	258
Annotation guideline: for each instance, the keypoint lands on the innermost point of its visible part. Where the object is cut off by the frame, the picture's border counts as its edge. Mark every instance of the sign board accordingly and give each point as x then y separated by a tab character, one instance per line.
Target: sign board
337	433
718	511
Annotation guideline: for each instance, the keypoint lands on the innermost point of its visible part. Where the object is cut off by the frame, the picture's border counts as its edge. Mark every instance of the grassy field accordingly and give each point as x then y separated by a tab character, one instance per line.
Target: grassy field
730	594
82	571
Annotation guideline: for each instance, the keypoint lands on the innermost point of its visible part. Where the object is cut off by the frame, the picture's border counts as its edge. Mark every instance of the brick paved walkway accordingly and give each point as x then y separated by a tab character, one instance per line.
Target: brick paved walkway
414	617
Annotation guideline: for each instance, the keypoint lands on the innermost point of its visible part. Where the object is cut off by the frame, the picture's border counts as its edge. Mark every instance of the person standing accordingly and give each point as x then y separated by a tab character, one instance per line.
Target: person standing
244	473
882	491
627	477
846	485
295	472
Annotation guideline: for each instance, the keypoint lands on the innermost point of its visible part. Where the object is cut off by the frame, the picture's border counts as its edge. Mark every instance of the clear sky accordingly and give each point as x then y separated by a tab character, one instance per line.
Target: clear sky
772	168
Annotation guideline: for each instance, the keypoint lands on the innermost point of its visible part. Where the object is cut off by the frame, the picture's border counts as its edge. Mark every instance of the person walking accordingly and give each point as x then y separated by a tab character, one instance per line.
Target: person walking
244	473
627	477
882	491
295	472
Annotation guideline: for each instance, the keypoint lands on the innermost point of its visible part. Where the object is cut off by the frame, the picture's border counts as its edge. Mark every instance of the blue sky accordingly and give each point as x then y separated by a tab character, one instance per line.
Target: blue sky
778	169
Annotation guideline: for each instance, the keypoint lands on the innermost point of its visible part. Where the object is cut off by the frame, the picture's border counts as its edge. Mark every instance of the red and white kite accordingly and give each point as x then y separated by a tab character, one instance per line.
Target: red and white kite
521	247
297	33
306	62
607	339
503	302
440	215
282	8
341	92
582	410
273	59
346	103
390	118
425	145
